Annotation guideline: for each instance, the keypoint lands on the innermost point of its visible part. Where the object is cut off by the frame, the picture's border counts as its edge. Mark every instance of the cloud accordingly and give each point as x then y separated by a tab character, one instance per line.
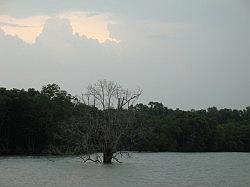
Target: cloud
13	25
89	24
191	56
56	55
26	29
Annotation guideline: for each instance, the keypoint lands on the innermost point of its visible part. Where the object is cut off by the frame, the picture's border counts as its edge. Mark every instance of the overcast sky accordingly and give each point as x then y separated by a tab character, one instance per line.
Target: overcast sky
187	54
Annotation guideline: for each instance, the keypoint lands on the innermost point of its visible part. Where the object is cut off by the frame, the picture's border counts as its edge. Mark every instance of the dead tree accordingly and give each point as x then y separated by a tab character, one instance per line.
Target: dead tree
110	119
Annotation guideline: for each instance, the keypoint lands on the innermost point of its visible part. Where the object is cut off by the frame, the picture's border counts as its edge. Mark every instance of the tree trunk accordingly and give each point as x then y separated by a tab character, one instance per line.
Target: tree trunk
107	156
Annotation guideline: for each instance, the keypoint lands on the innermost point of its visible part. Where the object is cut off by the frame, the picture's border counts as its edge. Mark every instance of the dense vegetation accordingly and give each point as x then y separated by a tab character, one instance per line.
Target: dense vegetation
31	122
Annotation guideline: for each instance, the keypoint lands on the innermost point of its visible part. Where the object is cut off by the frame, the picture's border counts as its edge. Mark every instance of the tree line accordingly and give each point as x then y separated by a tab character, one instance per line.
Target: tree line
52	121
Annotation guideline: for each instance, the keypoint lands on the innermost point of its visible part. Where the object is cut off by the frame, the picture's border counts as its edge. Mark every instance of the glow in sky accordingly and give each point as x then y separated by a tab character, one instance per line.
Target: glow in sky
94	26
26	29
187	54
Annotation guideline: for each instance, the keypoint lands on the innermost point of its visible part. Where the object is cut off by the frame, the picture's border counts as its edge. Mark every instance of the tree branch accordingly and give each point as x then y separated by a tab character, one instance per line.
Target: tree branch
116	159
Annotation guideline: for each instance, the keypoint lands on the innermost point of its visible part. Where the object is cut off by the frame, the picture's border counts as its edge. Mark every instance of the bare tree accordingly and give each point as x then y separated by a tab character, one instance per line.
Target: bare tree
109	120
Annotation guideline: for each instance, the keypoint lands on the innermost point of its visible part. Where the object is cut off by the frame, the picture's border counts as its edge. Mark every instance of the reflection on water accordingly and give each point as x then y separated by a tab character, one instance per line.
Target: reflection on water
143	169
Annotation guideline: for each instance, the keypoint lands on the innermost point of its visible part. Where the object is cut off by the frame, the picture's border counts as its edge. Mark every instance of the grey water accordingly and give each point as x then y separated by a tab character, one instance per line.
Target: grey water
142	169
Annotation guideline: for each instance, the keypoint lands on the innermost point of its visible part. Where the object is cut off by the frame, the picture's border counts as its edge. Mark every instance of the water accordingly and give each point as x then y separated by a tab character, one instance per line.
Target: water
143	169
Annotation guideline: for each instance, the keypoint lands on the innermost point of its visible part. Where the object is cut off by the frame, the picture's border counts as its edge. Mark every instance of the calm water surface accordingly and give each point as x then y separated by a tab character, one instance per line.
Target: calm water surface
143	169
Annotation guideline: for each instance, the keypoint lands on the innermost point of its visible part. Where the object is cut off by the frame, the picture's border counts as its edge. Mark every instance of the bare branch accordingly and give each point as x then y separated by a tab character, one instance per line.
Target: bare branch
102	130
116	159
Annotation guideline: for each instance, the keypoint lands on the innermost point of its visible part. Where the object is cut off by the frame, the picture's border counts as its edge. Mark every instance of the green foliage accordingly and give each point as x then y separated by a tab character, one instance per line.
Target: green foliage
175	130
34	122
29	119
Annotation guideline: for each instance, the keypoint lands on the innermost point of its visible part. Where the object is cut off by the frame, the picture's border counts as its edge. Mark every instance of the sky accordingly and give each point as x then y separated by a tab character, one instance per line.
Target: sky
186	54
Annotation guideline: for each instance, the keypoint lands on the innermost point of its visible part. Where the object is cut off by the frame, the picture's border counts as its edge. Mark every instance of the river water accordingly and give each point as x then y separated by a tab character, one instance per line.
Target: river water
142	169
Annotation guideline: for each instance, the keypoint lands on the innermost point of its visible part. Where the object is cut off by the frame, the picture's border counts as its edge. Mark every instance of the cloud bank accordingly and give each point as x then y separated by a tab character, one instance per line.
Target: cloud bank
181	59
